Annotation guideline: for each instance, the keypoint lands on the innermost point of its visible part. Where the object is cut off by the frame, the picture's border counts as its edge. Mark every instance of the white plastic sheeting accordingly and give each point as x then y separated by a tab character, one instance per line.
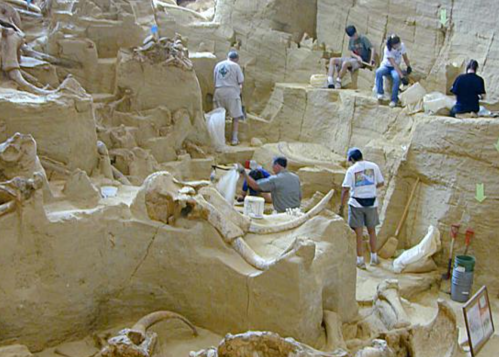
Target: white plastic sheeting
228	184
215	120
430	244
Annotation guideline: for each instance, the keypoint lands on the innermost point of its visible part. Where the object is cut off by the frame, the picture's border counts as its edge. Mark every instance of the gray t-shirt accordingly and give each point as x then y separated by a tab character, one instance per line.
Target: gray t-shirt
361	47
285	188
228	74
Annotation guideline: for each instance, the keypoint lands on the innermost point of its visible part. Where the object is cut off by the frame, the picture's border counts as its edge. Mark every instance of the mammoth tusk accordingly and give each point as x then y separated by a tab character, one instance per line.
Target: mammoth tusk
249	255
17	77
7	208
24	4
138	332
321	206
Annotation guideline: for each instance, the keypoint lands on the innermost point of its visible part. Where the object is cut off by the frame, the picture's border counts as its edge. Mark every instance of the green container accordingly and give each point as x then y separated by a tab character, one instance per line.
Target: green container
465	261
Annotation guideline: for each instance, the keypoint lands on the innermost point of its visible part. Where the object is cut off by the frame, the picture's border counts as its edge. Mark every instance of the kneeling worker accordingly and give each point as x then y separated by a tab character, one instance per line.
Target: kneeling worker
284	186
229	80
361	182
257	173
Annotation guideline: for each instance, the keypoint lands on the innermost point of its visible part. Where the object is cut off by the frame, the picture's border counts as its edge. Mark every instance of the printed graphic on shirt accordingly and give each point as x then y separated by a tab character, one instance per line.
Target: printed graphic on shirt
223	71
364	178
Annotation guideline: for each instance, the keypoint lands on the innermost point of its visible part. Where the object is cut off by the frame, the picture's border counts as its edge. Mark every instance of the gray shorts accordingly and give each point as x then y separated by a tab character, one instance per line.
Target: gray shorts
226	98
360	217
355	65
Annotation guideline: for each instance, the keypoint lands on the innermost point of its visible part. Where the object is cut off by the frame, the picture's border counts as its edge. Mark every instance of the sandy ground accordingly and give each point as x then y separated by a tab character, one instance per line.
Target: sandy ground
421	292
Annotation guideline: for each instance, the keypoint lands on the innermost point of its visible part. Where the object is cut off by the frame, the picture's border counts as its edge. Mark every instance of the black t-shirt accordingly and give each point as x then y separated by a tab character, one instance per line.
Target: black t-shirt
467	88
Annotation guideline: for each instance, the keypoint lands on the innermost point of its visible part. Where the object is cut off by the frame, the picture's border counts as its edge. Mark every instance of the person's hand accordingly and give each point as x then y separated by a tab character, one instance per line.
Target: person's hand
373	63
240	169
409	70
405	81
341	211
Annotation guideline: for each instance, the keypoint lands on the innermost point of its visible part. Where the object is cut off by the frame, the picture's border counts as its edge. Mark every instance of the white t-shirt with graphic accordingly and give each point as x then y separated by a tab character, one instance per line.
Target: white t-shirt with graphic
362	179
228	74
395	54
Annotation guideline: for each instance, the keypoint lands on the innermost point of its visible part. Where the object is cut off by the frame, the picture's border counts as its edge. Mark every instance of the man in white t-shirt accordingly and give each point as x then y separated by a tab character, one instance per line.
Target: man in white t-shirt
395	51
229	79
361	182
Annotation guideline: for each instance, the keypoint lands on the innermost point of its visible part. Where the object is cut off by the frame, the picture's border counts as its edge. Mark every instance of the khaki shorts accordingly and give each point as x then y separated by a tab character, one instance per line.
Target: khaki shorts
355	65
225	98
360	217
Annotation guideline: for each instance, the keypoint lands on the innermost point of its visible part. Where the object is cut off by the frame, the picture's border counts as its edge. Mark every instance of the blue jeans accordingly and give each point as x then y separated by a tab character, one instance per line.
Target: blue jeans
384	71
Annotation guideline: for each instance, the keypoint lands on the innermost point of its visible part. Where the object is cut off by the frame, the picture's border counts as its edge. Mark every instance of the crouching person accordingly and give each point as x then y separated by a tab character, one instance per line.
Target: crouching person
360	186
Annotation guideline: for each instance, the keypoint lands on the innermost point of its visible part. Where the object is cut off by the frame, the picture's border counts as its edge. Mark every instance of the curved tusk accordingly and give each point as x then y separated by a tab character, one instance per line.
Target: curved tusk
321	206
249	255
17	77
138	332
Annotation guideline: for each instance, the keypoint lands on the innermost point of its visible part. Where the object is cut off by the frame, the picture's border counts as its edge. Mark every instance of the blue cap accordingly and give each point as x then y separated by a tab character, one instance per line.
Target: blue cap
354	154
233	54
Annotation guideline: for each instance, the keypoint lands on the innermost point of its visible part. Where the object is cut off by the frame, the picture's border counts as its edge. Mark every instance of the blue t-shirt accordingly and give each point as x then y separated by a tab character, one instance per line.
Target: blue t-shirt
467	89
253	192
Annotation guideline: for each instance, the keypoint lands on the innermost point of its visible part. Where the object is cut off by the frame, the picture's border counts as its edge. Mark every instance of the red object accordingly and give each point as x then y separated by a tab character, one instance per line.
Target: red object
247	164
454	230
470	233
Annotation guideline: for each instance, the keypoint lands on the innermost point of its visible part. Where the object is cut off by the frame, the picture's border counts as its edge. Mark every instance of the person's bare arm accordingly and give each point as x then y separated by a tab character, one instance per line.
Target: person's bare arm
356	56
345	194
251	182
406	60
373	56
396	66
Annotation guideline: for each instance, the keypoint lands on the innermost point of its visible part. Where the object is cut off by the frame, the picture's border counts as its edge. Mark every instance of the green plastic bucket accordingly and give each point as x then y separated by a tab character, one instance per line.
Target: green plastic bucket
465	261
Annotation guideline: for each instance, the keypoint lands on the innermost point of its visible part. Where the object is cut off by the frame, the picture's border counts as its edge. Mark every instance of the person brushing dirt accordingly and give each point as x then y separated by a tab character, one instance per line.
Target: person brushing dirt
229	79
361	182
361	52
284	186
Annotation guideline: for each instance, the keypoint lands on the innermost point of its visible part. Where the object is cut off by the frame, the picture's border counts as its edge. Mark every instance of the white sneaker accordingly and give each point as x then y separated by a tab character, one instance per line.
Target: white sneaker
361	265
380	96
338	83
374	261
235	142
392	104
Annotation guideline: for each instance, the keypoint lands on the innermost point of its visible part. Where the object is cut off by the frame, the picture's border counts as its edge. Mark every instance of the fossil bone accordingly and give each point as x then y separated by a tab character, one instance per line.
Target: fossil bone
137	341
266	344
321	206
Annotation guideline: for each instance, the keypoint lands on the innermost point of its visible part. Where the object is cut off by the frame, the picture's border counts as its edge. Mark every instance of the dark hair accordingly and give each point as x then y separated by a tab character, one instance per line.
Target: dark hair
281	161
392	40
350	30
256	174
354	155
473	65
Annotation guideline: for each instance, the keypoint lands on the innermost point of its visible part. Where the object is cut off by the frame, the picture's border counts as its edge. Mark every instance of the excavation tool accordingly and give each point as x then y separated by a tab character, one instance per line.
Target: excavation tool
454	230
470	234
406	210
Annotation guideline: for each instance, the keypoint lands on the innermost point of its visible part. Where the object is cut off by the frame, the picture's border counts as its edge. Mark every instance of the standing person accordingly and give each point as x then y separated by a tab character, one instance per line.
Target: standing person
361	52
390	67
284	186
469	88
361	182
229	79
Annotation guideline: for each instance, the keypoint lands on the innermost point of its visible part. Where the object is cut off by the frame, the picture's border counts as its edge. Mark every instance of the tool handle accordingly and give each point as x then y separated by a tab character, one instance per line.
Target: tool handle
469	235
406	210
